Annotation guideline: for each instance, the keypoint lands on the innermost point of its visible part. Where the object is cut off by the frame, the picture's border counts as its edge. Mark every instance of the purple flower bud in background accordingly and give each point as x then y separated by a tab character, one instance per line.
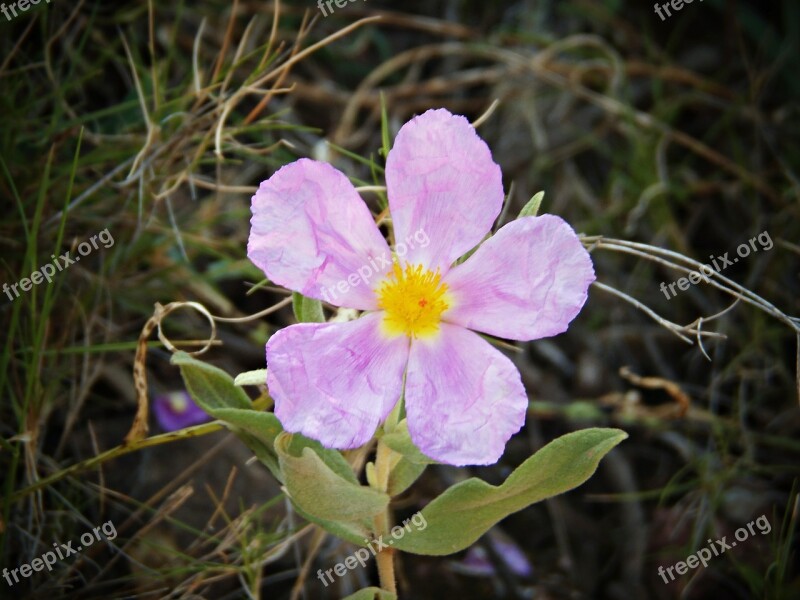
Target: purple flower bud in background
177	410
478	564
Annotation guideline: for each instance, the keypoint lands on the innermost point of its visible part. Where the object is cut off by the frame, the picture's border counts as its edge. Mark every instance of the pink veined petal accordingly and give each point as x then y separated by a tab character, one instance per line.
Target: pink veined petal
335	382
528	281
312	233
445	191
464	399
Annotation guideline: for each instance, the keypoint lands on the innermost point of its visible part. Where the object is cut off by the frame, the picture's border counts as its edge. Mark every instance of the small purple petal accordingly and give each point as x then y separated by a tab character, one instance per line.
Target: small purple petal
514	557
477	563
177	410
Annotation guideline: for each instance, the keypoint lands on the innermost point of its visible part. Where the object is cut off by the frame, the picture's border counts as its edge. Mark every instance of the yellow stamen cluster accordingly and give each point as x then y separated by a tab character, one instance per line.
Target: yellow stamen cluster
414	299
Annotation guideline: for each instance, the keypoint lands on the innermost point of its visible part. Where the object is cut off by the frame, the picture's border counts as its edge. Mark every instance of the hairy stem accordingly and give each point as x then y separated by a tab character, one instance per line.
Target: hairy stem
384	558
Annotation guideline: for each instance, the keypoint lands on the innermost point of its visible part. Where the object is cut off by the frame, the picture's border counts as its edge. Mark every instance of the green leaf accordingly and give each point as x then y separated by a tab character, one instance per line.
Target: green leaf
266	455
531	209
355	533
307	310
372	593
256	429
399	440
402	475
333	459
322	492
210	387
264	425
467	510
407	463
216	393
464	258
386	143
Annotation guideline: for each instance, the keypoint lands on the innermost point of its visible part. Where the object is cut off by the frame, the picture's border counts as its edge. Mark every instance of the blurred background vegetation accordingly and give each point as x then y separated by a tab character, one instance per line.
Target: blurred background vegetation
158	121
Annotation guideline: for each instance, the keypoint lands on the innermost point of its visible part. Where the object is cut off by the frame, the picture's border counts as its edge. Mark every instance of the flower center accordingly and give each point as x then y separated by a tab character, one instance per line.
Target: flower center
414	299
178	403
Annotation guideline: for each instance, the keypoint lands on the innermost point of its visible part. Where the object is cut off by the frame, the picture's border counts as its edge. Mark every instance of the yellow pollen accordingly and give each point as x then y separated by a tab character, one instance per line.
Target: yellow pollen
414	299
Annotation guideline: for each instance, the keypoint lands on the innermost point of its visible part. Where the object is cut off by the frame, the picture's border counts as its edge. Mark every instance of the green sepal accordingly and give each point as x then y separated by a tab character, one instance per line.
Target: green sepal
307	310
531	209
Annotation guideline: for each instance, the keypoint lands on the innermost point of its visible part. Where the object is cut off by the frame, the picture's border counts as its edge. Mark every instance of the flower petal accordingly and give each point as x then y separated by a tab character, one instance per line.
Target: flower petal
527	282
445	191
312	233
335	382
176	410
464	399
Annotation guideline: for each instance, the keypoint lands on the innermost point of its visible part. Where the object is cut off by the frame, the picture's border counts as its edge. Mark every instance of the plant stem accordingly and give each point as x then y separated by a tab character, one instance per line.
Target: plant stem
385	562
173	436
118	451
384	558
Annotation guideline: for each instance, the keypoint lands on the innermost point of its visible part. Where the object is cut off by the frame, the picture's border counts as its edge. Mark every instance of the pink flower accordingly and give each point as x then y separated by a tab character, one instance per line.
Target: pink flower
336	382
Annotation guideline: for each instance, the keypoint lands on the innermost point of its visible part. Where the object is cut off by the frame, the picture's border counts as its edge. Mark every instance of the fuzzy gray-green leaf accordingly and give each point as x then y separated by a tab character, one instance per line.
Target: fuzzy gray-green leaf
467	510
